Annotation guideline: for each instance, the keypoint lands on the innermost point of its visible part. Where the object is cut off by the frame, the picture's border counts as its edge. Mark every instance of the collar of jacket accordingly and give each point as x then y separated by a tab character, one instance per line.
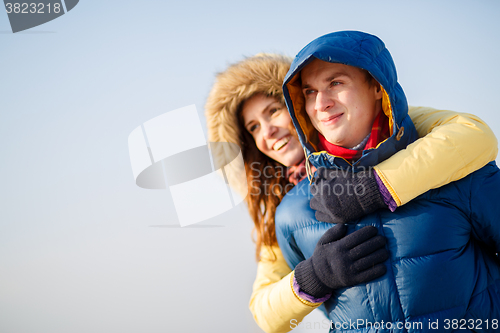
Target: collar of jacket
360	50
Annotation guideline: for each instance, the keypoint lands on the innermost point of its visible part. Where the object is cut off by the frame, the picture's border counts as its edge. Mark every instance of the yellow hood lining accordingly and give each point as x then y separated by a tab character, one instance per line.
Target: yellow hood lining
298	102
387	108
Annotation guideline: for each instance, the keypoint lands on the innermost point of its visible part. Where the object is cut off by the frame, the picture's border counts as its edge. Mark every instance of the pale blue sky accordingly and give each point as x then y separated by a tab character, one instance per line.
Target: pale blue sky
77	250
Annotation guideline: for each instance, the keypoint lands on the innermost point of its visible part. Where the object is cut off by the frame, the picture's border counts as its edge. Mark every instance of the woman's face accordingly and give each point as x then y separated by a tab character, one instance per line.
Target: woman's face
268	121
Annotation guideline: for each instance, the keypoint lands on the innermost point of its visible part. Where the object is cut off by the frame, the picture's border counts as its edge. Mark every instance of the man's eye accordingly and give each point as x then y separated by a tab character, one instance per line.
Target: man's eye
334	83
308	92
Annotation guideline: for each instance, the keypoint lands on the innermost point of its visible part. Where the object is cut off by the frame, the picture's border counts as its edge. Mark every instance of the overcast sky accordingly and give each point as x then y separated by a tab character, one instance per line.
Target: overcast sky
82	248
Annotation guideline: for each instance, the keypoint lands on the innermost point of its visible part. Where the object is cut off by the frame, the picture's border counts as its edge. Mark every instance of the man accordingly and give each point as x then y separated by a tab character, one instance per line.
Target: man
443	273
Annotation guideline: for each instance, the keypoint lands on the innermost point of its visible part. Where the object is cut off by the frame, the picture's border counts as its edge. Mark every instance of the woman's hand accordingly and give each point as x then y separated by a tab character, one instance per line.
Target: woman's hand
341	261
341	196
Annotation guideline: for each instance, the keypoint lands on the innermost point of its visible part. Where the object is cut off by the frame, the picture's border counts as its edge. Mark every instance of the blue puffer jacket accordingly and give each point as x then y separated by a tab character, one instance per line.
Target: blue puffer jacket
443	273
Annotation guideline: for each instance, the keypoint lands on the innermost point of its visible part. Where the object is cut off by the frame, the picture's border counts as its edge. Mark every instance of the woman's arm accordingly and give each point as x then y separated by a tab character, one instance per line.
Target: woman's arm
274	304
451	146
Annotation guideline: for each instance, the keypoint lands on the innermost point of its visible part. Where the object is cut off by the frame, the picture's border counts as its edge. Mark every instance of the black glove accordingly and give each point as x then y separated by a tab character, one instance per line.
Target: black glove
339	262
340	196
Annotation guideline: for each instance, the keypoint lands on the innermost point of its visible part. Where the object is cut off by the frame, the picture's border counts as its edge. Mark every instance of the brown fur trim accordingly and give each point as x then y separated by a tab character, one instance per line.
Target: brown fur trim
262	73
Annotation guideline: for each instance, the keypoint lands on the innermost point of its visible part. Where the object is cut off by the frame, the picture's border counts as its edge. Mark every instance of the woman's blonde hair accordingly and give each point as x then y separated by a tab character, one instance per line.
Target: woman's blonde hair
260	74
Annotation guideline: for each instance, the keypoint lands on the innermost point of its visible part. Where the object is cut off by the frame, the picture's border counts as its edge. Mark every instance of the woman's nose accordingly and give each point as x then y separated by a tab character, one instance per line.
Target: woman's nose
269	130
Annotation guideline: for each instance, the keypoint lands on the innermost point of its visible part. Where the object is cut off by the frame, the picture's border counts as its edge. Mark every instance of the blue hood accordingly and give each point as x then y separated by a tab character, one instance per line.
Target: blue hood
360	50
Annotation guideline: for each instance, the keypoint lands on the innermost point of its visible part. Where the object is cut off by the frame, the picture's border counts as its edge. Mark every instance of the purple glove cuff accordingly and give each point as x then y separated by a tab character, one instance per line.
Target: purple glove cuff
388	199
308	297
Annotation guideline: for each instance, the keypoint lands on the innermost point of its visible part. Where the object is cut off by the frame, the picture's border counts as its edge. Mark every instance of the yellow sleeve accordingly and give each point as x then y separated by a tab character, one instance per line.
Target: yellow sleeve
451	146
274	304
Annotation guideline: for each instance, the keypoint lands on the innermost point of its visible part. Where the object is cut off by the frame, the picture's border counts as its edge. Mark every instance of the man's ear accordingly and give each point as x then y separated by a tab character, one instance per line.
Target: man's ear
378	90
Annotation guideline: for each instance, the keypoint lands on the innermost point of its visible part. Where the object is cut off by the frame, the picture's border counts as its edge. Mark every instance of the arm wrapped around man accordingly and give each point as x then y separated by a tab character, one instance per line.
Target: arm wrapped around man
341	196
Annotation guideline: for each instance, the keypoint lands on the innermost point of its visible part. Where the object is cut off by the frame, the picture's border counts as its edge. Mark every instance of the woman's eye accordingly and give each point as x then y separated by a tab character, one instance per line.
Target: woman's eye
252	128
274	110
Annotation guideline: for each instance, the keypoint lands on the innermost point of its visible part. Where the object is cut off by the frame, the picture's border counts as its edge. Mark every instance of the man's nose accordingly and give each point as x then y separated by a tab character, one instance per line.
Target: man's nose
323	101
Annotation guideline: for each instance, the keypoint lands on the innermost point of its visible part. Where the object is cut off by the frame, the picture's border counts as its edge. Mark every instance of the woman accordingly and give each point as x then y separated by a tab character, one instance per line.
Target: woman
246	107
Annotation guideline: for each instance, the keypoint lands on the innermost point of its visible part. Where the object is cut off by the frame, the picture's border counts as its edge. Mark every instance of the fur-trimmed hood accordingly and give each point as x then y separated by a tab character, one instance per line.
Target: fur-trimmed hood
262	73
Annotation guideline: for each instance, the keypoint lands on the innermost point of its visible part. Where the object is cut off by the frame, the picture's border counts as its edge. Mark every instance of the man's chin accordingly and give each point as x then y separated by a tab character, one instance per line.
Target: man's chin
333	139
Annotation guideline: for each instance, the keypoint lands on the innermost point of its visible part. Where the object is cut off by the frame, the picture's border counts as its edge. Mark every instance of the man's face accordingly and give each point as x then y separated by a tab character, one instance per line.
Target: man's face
340	101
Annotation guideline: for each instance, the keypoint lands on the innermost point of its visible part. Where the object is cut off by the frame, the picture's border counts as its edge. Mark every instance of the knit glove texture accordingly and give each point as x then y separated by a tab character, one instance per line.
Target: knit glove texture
340	261
341	196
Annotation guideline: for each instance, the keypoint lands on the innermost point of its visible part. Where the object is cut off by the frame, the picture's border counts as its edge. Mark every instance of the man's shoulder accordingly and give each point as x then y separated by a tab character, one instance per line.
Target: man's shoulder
461	193
294	211
484	180
475	180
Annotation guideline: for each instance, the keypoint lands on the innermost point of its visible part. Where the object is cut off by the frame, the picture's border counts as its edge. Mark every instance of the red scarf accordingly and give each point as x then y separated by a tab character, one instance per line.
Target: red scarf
380	132
297	172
